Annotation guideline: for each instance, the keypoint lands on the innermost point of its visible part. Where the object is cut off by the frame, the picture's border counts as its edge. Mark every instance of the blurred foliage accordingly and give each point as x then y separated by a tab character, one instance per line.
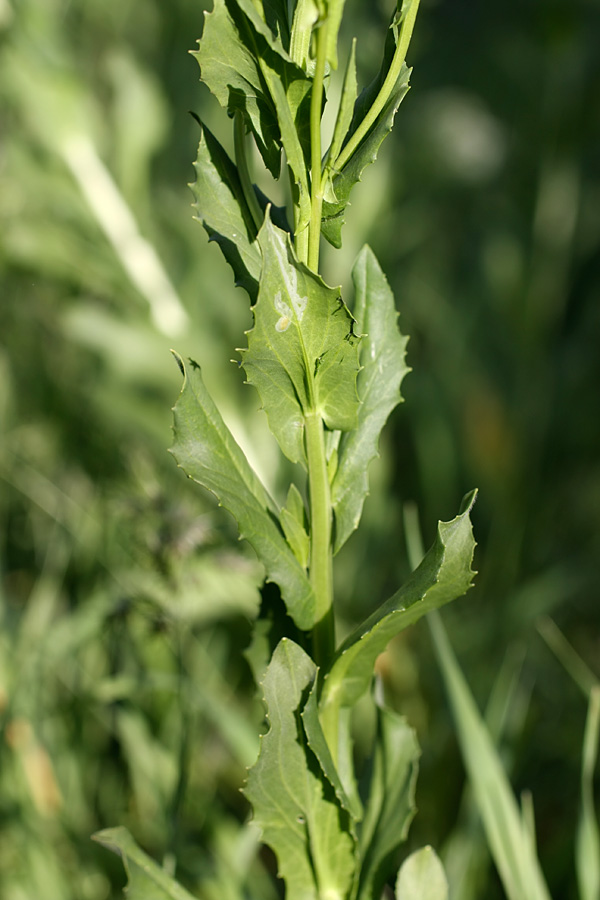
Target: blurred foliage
125	697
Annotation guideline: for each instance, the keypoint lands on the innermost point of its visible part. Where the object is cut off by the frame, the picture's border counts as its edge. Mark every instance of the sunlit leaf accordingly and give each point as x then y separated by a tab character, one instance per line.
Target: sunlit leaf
207	452
382	354
222	210
302	352
293	803
444	574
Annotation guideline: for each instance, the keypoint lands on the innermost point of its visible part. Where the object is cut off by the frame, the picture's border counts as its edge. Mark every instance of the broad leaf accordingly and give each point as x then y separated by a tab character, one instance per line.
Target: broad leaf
222	210
391	805
444	574
366	153
422	877
382	353
298	812
146	879
232	74
207	451
509	841
302	351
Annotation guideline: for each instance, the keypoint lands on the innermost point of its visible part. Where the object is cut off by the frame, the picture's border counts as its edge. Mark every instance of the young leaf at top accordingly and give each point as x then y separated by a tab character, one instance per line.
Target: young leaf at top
146	879
382	353
208	453
343	181
298	812
222	210
302	351
391	805
444	574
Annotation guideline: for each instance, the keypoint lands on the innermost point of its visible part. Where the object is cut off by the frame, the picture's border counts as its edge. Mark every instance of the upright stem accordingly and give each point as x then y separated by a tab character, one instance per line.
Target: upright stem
321	576
316	182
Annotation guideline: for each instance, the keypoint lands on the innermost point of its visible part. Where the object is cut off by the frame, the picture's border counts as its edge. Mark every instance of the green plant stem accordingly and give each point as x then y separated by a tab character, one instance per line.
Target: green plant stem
320	539
316	107
385	91
241	159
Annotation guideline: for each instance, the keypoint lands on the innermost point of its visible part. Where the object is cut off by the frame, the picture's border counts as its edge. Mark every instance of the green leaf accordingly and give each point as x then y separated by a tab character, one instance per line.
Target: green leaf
319	746
335	9
422	877
206	450
222	210
508	839
146	879
274	28
343	182
230	70
300	816
344	115
302	351
444	574
293	522
587	845
382	357
391	805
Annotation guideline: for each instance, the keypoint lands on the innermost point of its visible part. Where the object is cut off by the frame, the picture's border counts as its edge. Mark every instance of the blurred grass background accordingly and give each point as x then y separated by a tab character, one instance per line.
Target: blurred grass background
125	697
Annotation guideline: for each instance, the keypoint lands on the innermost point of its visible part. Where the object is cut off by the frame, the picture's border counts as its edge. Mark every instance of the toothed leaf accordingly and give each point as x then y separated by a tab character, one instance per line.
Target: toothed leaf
302	351
382	354
444	574
222	210
208	453
300	817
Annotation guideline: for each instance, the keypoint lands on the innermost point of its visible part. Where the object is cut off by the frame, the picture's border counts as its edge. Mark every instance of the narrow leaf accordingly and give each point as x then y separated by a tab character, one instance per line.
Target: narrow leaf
344	181
382	357
222	210
300	816
319	746
391	805
344	115
444	574
146	879
335	8
276	30
508	841
422	877
207	451
293	522
587	847
302	352
231	72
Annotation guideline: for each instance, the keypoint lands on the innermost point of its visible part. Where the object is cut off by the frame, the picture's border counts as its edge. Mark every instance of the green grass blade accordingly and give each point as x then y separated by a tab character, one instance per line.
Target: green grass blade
587	846
146	879
509	841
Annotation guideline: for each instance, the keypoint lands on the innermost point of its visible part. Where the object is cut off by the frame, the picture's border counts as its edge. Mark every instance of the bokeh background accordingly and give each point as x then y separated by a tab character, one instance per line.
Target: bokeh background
125	695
